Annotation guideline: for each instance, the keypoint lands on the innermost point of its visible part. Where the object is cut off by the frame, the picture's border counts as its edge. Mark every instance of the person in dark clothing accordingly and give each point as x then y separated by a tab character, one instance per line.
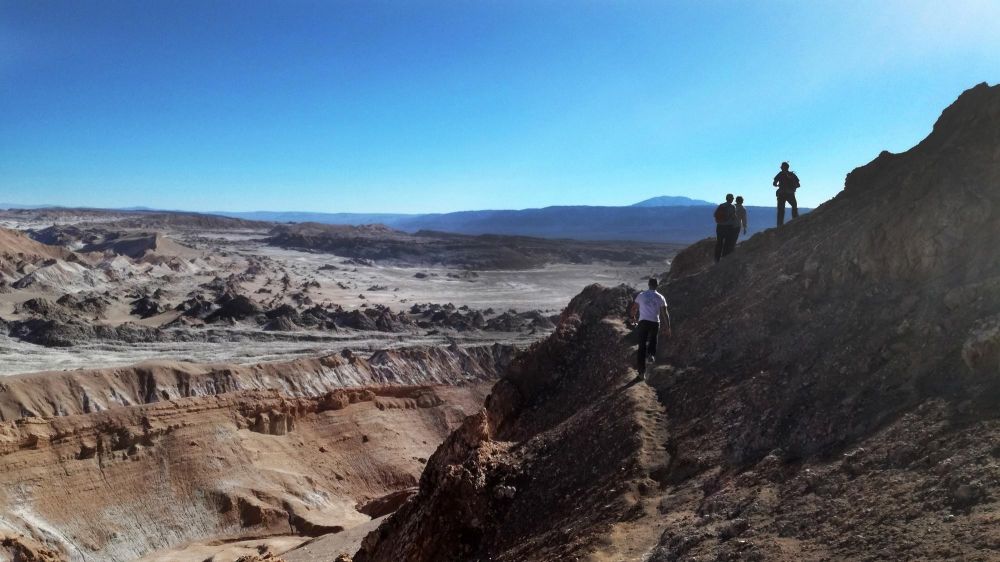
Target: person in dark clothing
787	182
727	228
649	306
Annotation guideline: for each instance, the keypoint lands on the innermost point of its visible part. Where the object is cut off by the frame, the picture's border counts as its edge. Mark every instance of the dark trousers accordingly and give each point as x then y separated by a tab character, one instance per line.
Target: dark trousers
786	197
725	240
647	331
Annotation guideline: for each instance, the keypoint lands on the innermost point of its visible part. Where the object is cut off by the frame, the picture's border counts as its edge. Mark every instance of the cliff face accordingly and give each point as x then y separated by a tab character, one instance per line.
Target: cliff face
119	484
62	393
113	464
832	392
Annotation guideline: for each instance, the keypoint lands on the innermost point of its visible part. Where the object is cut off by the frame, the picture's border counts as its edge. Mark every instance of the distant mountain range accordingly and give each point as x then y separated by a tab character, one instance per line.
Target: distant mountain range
647	224
660	219
408	221
672	201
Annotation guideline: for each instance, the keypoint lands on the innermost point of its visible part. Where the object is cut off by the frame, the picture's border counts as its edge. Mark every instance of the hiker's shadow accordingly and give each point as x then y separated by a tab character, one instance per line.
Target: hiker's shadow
638	379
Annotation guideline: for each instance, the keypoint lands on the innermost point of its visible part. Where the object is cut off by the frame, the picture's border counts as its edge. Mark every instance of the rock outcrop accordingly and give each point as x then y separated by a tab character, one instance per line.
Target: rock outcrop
556	457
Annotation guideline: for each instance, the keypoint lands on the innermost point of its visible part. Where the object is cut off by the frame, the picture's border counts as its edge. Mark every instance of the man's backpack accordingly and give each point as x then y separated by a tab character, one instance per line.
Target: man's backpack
724	213
793	180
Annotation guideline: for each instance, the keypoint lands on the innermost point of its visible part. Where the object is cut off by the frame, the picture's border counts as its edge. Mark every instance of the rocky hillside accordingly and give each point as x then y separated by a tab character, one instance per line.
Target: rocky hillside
832	392
561	452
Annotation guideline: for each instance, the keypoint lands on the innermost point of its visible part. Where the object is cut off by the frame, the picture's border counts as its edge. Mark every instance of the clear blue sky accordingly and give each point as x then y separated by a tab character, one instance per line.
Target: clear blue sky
414	106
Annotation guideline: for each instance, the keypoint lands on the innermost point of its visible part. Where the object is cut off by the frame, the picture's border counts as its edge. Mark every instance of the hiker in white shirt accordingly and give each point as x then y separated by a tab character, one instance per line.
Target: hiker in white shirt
649	305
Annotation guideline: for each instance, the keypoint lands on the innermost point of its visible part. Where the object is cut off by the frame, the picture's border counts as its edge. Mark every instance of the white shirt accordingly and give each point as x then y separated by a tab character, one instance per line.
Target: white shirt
650	303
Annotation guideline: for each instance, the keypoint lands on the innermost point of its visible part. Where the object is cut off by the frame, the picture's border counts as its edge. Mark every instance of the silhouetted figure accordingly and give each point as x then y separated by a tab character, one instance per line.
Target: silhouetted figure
649	305
727	228
741	213
787	182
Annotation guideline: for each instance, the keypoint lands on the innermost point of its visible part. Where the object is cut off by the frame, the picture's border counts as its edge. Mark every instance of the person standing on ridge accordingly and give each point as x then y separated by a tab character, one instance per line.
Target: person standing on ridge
787	182
727	228
741	214
650	305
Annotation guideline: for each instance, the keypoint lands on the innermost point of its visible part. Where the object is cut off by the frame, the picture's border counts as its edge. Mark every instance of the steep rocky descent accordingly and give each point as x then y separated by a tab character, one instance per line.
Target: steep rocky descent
61	393
559	455
212	470
832	392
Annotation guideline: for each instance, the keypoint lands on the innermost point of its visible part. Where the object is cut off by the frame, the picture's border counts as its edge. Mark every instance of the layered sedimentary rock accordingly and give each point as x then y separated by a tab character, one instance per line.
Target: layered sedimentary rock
60	393
114	464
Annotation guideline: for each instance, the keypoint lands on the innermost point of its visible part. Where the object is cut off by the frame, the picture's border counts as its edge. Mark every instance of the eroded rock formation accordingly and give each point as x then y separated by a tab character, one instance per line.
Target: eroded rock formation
134	460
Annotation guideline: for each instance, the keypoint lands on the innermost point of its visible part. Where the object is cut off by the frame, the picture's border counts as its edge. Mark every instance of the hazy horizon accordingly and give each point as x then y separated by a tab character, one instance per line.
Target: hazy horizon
434	107
143	208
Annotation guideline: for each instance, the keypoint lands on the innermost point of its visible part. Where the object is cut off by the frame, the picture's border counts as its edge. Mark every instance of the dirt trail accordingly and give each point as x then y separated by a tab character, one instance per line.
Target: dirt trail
632	540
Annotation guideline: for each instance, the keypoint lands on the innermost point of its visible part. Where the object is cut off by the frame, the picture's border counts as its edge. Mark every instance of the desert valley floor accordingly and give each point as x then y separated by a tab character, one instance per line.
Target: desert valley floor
168	274
191	387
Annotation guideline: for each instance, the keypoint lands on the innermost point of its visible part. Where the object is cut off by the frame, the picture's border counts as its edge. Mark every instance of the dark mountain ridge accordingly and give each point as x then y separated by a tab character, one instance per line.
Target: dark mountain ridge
672	224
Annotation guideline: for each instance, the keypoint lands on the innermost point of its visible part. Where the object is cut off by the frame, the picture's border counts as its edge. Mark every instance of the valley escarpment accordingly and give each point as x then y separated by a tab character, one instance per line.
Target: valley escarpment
119	463
119	484
60	393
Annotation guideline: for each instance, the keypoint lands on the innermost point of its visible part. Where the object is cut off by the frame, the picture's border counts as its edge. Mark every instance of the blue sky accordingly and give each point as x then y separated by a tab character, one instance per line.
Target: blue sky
412	106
